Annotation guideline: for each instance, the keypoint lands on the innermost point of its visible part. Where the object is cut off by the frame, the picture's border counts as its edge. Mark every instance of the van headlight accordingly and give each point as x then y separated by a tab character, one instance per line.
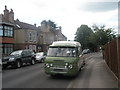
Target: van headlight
11	59
70	66
51	64
47	65
66	64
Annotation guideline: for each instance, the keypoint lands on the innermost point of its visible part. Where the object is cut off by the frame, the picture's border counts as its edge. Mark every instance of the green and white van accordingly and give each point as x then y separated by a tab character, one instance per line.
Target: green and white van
64	57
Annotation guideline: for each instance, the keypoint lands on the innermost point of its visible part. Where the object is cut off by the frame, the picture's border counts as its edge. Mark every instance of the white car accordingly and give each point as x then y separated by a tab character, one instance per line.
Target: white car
86	51
39	57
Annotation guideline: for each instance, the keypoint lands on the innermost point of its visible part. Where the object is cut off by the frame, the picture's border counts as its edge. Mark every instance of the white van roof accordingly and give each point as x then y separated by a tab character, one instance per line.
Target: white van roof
66	43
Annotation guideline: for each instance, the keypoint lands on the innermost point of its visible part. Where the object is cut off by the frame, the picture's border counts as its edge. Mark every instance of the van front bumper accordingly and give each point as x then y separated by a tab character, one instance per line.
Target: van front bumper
63	71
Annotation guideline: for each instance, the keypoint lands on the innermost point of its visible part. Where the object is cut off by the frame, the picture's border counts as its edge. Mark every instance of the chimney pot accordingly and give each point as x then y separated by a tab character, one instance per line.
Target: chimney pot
35	24
5	7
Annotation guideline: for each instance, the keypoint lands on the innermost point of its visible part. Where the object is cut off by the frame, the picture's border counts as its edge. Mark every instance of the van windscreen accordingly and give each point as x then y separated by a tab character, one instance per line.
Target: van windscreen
62	52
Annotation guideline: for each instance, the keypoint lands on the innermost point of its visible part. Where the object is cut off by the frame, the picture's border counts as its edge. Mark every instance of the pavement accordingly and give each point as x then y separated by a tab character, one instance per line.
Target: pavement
95	74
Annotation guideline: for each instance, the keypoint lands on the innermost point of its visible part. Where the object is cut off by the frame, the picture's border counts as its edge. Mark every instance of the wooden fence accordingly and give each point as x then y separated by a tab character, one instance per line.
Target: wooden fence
111	54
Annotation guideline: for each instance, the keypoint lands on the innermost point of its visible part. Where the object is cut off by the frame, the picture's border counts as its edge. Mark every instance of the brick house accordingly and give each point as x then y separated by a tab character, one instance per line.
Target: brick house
7	32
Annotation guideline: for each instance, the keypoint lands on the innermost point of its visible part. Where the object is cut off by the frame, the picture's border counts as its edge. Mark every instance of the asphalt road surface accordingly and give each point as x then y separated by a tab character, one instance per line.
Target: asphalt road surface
95	74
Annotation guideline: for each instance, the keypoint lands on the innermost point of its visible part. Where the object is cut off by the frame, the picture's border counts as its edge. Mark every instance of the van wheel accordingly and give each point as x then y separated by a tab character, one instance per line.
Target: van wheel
32	61
84	63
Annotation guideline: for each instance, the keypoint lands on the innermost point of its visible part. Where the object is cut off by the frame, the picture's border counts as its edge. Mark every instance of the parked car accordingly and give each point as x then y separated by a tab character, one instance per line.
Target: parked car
40	56
86	51
18	58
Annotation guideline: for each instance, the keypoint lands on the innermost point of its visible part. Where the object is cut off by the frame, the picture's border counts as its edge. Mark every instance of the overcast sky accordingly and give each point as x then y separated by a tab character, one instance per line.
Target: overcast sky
69	14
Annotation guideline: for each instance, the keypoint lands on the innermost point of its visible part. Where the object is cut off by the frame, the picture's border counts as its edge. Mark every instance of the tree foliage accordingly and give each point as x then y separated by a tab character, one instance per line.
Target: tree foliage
82	35
49	22
101	35
95	37
52	24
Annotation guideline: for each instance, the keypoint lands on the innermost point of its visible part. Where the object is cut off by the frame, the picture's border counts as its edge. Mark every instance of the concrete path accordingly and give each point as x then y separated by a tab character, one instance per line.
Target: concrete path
95	74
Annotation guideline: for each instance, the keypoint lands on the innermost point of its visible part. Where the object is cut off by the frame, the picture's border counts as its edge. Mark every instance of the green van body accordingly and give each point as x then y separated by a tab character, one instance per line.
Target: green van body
64	64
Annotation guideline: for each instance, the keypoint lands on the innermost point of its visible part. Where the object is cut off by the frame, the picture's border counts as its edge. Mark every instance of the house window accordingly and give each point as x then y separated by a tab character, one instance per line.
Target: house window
34	47
26	39
1	50
34	36
1	30
8	31
30	47
30	36
7	49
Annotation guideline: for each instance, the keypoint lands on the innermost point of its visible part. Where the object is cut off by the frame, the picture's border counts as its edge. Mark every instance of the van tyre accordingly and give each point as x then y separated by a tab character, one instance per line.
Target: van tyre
80	69
84	63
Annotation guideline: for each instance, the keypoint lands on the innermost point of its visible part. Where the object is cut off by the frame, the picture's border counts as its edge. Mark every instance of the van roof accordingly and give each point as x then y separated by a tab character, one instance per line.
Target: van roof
66	43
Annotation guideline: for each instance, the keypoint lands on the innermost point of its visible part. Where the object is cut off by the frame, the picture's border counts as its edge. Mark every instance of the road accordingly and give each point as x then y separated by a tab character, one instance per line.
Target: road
95	74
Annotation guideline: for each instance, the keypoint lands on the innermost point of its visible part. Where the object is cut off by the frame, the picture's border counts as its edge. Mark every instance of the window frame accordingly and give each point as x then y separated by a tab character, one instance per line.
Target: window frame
7	48
8	31
1	29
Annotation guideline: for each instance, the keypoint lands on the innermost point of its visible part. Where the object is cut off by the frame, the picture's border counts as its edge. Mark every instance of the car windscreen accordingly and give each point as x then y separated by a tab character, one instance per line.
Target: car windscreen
16	52
62	52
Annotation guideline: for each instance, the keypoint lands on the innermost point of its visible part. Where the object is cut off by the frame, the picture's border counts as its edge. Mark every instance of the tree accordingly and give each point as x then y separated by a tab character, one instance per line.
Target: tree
95	37
82	35
52	24
101	35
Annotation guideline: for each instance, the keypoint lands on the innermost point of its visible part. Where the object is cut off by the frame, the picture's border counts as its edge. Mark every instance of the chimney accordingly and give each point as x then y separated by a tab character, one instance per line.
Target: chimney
6	14
60	29
11	16
1	17
35	24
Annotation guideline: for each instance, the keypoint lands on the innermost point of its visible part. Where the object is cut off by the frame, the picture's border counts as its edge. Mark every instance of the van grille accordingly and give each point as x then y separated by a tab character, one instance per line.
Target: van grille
58	60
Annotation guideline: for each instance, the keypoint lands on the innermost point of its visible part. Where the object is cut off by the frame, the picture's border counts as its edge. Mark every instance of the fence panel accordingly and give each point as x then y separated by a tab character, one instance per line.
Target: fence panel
111	55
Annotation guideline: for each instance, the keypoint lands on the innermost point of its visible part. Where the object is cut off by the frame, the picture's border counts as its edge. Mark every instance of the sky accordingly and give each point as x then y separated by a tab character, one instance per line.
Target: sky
69	14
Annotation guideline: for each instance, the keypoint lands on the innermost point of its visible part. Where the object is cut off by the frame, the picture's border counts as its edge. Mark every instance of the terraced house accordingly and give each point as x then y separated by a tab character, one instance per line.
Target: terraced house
7	32
25	36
